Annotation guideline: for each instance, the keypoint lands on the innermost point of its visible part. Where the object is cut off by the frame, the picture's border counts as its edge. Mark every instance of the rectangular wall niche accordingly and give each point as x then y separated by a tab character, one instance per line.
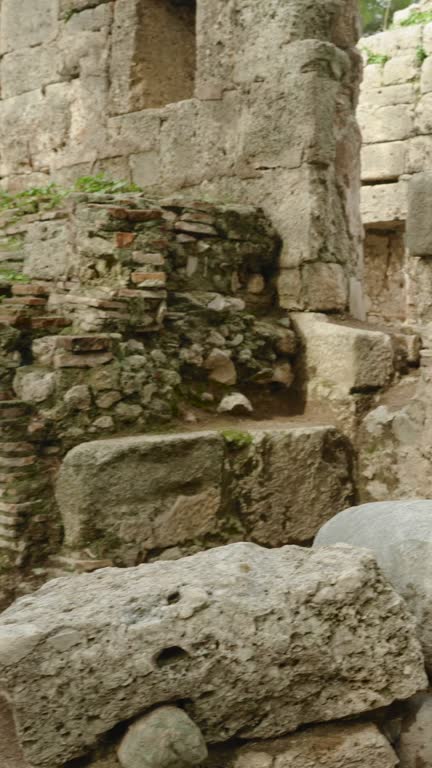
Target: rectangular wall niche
385	279
163	67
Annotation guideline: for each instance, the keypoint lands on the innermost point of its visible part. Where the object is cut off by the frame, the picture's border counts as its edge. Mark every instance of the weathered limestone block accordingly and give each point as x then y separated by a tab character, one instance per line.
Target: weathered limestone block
45	116
389	95
400	69
166	738
29	69
384	203
133	495
342	358
288	481
414	745
419	232
132	498
48	253
389	123
394	42
257	642
399	533
382	162
349	745
35	23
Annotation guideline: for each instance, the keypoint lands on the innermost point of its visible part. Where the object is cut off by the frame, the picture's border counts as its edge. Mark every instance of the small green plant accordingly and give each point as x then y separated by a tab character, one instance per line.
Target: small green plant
100	183
421	55
417	17
237	439
376	58
9	276
32	199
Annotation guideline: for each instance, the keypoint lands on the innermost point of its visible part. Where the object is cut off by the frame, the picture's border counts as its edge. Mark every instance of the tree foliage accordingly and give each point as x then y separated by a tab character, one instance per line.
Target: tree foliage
377	14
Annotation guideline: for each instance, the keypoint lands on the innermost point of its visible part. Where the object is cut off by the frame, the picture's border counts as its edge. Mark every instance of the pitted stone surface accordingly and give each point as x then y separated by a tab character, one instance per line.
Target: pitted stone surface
257	642
399	533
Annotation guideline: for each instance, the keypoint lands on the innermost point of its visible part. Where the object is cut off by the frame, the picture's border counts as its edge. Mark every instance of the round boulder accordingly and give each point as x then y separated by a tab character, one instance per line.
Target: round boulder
164	738
399	533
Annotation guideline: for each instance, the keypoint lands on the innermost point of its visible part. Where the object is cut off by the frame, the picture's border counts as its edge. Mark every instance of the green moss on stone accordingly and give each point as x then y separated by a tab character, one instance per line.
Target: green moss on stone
237	439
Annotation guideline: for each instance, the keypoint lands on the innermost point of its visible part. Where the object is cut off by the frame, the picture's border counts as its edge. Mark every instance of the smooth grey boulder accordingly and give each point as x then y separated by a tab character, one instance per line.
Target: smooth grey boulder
165	738
399	533
254	642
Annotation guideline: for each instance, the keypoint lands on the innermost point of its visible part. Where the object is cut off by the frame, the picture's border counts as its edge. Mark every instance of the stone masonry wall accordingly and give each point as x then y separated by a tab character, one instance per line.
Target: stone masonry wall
123	316
395	116
151	91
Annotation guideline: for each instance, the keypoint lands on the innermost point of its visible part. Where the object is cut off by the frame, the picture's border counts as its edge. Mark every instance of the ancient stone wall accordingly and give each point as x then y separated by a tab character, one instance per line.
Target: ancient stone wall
395	116
152	92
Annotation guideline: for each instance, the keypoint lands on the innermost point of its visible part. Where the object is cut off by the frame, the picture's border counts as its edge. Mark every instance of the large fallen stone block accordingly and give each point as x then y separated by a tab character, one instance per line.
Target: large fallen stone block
399	533
132	499
343	358
253	642
348	745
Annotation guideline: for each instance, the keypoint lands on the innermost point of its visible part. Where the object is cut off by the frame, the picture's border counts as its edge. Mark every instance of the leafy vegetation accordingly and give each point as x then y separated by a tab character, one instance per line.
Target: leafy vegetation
417	17
100	183
51	196
378	14
32	199
10	276
375	58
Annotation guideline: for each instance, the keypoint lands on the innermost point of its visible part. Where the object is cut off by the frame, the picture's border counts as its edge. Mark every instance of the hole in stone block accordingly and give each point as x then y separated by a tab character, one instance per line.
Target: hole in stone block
171	656
163	68
173	597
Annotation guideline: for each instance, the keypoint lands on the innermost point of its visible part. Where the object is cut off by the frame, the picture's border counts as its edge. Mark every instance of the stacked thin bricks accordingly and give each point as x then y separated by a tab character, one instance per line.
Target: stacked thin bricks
21	484
133	308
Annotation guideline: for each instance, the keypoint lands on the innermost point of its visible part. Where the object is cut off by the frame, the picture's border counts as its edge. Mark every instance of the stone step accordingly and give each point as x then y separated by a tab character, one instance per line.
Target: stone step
167	495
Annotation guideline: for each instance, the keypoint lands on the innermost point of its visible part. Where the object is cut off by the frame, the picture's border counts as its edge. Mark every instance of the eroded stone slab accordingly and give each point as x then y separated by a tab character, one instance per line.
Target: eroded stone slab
255	642
132	499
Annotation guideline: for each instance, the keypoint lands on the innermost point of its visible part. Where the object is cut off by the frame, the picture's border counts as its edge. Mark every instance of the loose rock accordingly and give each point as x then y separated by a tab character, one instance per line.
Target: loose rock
166	738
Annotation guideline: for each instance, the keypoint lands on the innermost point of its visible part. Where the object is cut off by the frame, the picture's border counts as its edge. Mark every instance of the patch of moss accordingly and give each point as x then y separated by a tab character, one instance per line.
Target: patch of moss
421	55
375	58
237	439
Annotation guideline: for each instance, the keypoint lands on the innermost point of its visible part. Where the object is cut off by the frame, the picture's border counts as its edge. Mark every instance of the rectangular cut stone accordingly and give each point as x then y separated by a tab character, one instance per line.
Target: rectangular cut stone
391	95
424	114
372	77
419	155
426	76
217	622
391	123
343	358
419	231
36	22
400	69
394	42
384	203
29	69
383	162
